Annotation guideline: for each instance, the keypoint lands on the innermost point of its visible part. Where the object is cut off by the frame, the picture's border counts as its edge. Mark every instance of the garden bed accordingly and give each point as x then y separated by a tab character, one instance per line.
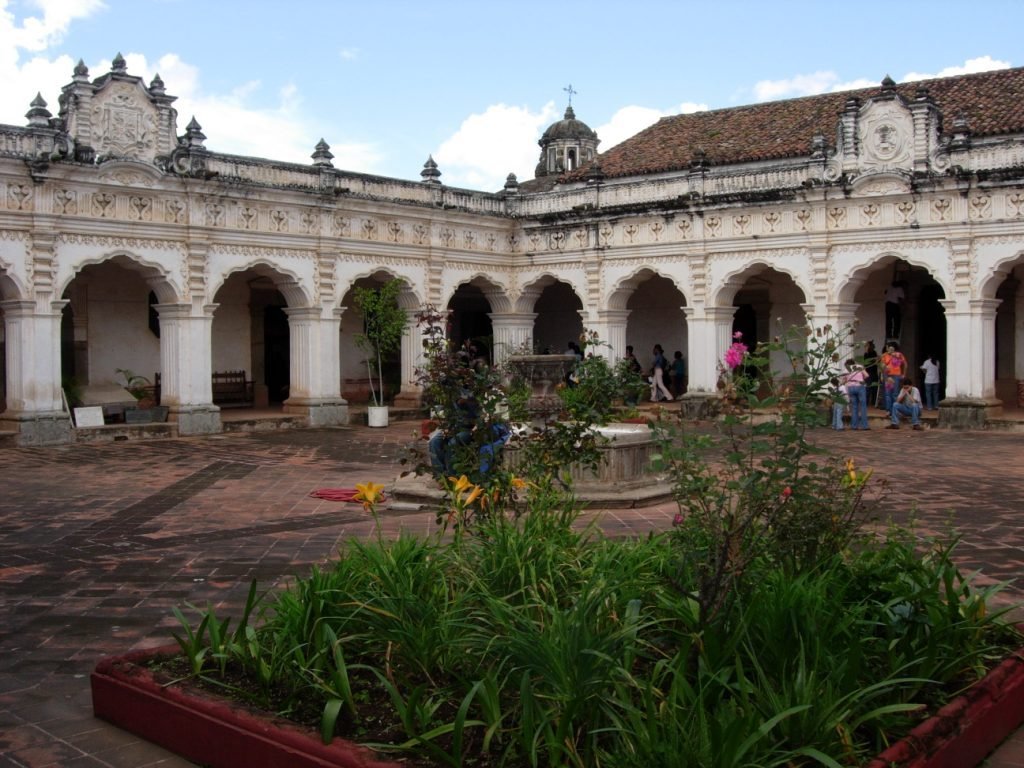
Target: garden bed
213	731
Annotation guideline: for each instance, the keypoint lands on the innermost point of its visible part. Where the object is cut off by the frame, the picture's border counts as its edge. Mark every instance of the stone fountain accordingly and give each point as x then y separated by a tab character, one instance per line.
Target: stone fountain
624	477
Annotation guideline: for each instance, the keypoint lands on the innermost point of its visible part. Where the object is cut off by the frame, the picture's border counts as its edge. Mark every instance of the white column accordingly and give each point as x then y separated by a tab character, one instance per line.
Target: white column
185	352
303	373
513	332
35	408
410	394
842	318
710	336
314	384
33	357
185	367
970	348
984	328
611	327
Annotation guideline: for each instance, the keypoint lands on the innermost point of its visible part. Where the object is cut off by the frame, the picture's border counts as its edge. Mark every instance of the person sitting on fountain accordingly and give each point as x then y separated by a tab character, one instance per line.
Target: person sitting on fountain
448	446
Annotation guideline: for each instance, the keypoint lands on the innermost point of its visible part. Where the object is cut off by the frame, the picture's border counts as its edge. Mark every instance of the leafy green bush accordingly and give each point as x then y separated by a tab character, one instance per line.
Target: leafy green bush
766	629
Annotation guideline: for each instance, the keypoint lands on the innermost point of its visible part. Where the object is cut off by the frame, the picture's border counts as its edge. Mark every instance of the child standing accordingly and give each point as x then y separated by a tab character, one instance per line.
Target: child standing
839	400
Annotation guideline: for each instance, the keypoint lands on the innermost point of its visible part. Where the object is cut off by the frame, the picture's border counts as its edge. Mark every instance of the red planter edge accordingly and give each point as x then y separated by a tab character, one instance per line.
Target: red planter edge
214	732
208	730
968	728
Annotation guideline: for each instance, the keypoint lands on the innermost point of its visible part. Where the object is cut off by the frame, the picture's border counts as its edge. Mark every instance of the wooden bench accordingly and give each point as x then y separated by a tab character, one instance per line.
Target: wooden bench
231	389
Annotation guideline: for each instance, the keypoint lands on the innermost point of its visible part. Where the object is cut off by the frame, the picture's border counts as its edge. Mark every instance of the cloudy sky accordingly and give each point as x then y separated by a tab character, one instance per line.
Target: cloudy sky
474	83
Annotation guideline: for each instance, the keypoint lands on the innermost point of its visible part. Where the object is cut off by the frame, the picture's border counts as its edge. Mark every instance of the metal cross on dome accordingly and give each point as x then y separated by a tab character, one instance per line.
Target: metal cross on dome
570	90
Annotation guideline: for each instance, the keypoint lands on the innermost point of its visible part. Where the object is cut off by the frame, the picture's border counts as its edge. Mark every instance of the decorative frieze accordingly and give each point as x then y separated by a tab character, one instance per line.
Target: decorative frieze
19	197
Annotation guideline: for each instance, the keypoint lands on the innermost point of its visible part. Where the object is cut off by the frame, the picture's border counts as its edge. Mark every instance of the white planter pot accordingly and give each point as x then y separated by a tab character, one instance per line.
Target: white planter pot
377	415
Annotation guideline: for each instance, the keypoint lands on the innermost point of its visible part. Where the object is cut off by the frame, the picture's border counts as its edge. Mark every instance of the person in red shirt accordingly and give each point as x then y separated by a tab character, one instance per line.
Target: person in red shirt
893	368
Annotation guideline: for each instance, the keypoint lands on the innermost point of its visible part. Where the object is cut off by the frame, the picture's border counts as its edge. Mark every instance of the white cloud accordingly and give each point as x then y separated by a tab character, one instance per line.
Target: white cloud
980	64
21	80
827	81
629	121
800	85
245	121
489	146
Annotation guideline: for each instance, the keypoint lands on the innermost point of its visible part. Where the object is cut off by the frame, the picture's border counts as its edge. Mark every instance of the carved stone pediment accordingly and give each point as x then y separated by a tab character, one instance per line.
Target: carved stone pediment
875	183
129	173
124	122
885	137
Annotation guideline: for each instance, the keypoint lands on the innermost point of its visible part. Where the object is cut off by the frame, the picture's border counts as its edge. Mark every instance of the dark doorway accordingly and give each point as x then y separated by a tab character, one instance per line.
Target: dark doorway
277	351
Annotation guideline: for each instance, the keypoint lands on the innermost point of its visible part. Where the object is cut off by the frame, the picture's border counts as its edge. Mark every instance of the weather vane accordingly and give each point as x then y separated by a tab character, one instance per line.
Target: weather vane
569	89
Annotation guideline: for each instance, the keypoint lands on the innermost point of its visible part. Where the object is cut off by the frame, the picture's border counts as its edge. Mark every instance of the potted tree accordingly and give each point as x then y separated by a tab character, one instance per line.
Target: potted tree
383	325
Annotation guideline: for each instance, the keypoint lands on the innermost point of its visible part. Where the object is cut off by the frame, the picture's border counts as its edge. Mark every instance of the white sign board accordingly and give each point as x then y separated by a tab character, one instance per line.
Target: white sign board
89	417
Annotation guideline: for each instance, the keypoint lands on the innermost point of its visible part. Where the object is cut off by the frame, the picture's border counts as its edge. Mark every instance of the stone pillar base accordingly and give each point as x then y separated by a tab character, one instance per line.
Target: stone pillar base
700	406
43	428
197	419
968	413
319	412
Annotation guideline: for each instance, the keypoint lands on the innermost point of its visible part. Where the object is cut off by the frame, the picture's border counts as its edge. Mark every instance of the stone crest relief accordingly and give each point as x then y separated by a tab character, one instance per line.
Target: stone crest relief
885	133
124	123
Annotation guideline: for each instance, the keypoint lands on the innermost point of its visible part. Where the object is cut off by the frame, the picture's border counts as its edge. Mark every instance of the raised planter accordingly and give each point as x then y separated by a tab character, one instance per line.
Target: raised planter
216	733
207	730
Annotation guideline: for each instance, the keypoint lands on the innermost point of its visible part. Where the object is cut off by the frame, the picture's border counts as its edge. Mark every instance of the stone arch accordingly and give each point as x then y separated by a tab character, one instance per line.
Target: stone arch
284	280
110	322
653	302
158	279
1003	268
10	287
558	312
470	306
497	294
619	296
355	383
846	289
725	293
532	290
1005	285
409	298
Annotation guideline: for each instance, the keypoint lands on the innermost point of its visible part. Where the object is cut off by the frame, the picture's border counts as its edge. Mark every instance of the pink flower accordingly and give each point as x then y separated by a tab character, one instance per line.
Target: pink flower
738	335
678	519
786	492
734	355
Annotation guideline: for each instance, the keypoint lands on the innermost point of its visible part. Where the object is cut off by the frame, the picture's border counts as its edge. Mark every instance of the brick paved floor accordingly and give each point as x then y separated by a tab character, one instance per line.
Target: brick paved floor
99	541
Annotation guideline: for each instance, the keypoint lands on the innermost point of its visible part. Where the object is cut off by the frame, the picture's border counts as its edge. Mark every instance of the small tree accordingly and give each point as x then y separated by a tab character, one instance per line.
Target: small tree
383	325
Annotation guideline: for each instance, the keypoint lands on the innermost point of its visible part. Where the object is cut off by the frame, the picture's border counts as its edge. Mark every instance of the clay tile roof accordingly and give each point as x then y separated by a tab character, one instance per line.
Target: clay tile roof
992	103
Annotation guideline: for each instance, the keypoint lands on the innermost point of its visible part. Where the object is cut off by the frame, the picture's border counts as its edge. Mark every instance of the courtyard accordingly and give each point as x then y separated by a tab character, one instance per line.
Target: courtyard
99	541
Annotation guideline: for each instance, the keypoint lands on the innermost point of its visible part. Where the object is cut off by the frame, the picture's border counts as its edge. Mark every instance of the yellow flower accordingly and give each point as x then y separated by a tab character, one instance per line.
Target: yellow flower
474	494
519	483
461	484
851	471
369	493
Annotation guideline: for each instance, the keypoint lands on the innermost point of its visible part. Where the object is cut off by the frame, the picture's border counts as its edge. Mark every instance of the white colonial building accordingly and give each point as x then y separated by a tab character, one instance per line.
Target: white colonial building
124	245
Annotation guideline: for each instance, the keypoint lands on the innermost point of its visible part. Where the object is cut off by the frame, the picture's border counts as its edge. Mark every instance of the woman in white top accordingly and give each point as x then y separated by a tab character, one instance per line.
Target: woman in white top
931	383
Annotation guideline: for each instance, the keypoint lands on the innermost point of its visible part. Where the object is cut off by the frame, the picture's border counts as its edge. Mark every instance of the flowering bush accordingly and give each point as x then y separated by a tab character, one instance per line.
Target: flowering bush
757	494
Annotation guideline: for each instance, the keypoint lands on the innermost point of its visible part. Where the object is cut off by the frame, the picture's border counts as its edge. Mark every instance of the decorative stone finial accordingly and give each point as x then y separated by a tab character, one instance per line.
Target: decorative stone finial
119	64
961	132
322	154
818	145
888	84
156	87
81	71
38	115
569	114
194	136
430	173
512	184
